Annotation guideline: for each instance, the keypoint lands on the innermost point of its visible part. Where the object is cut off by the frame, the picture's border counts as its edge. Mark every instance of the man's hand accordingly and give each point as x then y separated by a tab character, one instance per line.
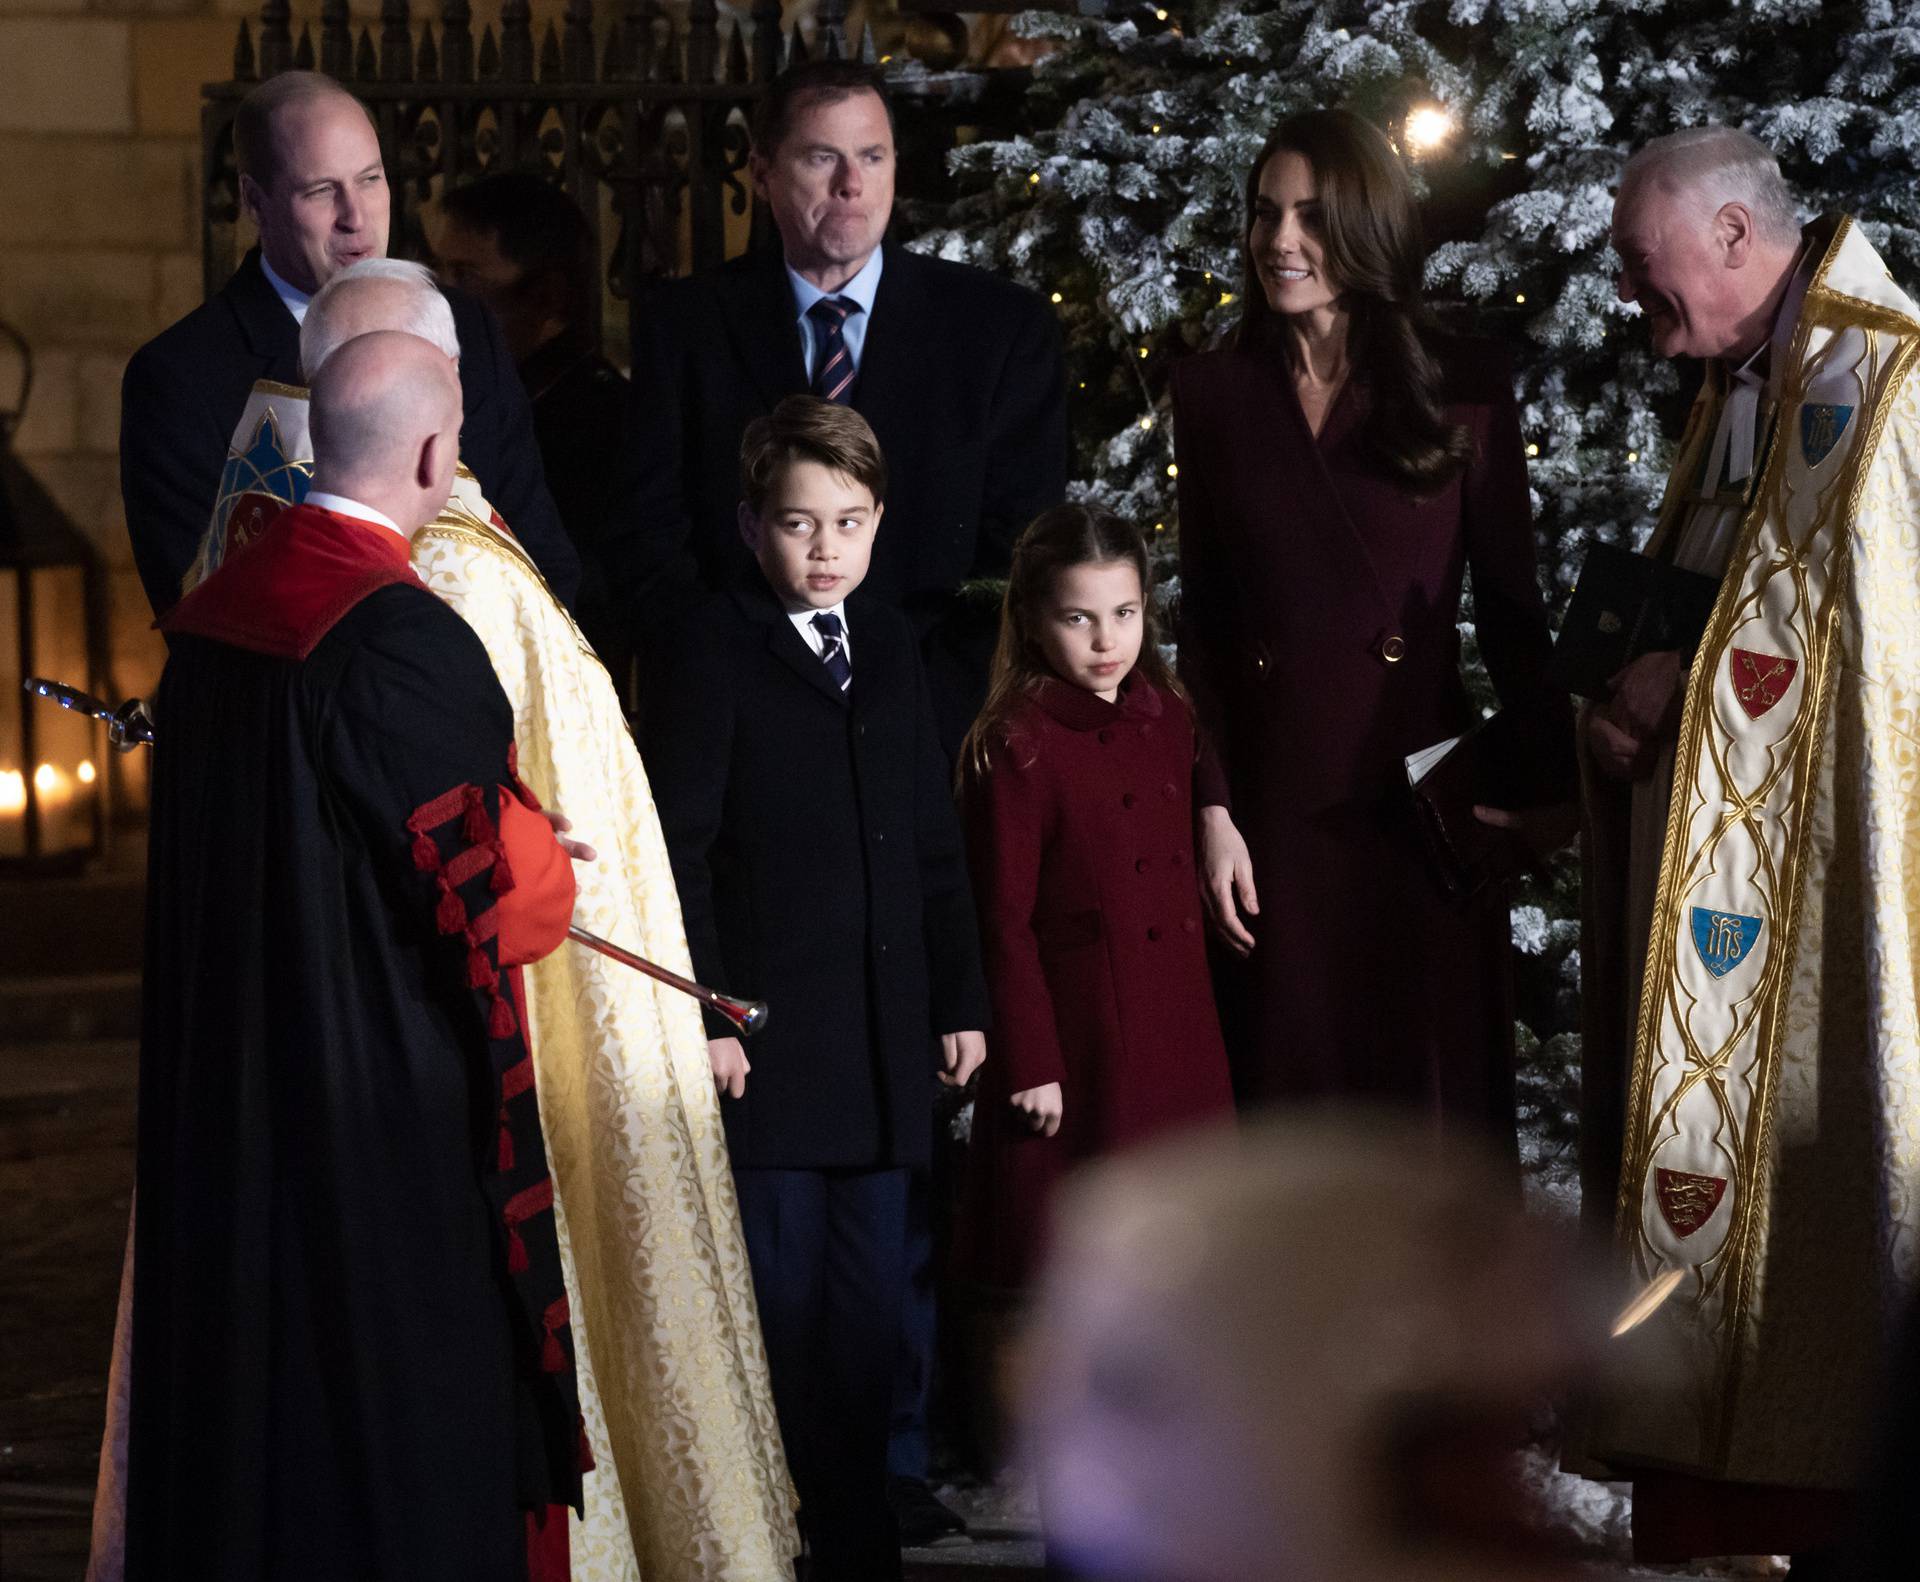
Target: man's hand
578	850
1544	829
960	1057
730	1068
1626	733
1226	871
1042	1107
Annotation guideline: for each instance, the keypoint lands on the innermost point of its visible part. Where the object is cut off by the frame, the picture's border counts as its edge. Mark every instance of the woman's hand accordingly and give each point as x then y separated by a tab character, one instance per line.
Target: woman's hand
730	1068
1226	872
1544	829
578	850
1042	1107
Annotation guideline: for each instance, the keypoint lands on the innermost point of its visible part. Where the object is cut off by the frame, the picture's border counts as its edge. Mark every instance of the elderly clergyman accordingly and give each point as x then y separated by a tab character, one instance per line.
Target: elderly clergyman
1754	824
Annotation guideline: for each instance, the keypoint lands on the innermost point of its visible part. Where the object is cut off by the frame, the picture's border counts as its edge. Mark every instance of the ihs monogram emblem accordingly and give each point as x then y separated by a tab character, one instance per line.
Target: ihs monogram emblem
1723	939
1820	430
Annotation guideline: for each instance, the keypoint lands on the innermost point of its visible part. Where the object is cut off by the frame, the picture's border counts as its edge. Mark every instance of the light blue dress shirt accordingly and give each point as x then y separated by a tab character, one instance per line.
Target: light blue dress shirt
861	289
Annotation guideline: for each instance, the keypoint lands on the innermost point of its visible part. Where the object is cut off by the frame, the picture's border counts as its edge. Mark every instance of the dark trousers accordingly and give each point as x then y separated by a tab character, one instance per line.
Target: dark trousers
910	1450
828	1249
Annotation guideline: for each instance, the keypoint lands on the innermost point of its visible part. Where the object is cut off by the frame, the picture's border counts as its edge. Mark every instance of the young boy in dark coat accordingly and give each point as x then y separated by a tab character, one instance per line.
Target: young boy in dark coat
803	794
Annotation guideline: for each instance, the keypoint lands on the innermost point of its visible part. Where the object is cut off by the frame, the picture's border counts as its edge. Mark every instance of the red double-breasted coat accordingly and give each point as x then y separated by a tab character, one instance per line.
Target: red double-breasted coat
1300	559
1080	837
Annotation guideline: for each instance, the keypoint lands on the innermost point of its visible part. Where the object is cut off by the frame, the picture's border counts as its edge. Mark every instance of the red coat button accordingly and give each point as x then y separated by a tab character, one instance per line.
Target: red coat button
1153	933
1106	736
1127	800
1140	865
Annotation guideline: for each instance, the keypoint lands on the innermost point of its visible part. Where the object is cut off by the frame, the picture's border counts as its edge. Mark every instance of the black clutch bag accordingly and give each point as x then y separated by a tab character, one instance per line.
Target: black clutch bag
1626	605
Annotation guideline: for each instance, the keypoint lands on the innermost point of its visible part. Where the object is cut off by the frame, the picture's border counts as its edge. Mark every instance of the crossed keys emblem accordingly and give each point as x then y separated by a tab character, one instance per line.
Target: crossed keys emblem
1760	680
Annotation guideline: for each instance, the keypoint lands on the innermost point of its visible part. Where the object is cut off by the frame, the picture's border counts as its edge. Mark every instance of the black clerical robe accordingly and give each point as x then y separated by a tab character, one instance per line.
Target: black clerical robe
351	1355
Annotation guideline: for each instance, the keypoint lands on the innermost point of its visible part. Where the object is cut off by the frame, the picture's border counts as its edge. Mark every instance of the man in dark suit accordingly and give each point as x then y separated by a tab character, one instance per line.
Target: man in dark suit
522	246
959	373
803	795
313	181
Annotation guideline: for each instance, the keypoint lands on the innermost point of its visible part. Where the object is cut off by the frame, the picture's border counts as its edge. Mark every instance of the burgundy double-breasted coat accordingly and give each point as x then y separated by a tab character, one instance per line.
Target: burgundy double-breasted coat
1080	838
1319	610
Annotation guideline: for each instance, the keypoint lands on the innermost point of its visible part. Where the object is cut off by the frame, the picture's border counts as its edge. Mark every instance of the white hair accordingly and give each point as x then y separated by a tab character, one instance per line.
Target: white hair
1718	165
428	314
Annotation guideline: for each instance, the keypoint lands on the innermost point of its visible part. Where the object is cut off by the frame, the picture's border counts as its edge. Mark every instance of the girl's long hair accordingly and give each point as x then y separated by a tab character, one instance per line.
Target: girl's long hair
1370	231
1055	541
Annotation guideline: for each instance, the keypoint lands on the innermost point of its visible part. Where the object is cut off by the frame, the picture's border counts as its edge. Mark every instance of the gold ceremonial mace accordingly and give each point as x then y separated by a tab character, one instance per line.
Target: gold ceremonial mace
131	726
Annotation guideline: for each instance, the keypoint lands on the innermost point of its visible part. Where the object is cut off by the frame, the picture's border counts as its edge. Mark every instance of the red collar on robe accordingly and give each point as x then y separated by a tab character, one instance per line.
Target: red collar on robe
1081	710
285	591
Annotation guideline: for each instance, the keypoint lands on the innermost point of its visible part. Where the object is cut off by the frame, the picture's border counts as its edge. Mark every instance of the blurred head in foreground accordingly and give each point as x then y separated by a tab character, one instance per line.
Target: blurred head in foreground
1308	1349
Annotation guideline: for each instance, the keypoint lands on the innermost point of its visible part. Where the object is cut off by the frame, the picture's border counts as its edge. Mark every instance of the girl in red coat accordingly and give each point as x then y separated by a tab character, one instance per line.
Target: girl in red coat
1077	785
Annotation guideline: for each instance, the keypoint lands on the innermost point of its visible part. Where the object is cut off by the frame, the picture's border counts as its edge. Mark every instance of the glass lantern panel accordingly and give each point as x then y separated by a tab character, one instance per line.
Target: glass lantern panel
67	779
13	783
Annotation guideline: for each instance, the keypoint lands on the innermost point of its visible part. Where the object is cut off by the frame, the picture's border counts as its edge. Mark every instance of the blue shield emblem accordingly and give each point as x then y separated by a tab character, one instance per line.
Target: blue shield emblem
1820	430
1723	939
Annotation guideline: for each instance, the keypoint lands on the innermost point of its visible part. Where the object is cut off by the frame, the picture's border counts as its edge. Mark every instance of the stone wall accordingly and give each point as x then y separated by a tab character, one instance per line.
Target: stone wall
99	239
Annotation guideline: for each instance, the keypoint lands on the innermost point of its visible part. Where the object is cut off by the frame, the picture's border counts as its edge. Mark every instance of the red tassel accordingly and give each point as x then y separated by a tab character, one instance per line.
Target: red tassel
450	917
500	1022
480	973
552	1358
426	855
516	1253
502	874
478	828
506	1143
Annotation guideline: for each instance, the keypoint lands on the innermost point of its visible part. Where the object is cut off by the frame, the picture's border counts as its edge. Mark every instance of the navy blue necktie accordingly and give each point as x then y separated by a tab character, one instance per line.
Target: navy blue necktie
833	652
833	368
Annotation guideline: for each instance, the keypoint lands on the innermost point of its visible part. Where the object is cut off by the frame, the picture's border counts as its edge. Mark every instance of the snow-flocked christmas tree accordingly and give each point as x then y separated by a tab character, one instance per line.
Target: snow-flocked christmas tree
1123	204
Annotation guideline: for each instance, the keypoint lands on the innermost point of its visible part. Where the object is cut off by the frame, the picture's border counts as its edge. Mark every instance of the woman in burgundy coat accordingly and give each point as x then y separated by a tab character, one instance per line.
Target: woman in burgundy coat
1078	794
1341	470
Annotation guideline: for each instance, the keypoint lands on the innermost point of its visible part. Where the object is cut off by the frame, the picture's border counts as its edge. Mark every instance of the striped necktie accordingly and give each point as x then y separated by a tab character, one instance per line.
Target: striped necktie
833	648
833	368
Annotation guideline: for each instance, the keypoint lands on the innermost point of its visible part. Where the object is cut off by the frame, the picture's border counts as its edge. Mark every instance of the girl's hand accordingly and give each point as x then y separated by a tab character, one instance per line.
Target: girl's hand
960	1057
1042	1107
1226	871
730	1068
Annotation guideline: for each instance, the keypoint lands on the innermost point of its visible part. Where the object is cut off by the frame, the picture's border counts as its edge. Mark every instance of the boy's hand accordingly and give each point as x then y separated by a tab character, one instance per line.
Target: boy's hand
1042	1107
960	1056
730	1068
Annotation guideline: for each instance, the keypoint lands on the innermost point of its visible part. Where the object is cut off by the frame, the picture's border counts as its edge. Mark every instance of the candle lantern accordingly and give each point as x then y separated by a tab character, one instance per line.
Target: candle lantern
52	763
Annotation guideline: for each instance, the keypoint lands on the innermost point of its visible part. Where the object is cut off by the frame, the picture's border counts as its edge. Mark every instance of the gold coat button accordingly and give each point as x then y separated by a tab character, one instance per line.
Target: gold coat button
1393	650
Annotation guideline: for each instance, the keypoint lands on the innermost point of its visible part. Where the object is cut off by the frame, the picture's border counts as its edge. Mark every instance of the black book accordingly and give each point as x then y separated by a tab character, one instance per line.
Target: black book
1517	758
1626	605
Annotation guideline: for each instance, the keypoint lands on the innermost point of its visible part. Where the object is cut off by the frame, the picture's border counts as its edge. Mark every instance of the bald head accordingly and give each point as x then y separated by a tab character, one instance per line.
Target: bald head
1707	237
376	294
385	424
